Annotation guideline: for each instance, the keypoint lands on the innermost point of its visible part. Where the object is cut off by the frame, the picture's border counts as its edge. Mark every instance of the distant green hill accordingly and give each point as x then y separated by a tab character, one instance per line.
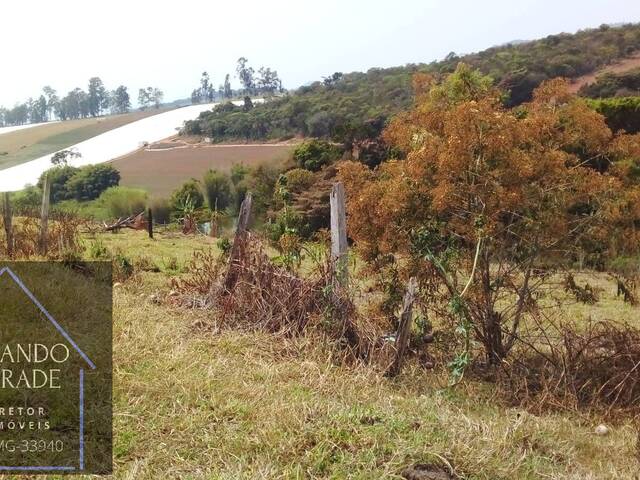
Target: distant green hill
347	106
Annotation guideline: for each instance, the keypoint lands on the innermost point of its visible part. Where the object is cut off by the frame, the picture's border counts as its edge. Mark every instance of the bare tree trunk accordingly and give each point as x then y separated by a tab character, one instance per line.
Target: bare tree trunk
491	320
239	244
404	328
44	216
493	341
7	215
339	245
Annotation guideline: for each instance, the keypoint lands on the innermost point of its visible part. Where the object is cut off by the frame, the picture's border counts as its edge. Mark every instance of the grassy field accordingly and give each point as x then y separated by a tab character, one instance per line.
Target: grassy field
28	144
163	169
226	404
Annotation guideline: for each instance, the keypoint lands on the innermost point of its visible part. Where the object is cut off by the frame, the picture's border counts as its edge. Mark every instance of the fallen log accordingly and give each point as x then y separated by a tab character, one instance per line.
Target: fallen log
134	222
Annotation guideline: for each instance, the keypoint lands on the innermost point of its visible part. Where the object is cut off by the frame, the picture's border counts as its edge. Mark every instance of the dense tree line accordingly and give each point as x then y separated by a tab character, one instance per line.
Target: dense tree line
97	100
340	107
345	107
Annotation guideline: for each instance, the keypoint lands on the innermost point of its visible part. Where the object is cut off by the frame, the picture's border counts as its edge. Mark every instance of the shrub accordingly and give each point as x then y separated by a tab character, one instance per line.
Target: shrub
122	267
299	179
124	201
238	172
188	191
98	250
314	154
622	113
217	190
89	182
161	210
260	181
27	199
224	244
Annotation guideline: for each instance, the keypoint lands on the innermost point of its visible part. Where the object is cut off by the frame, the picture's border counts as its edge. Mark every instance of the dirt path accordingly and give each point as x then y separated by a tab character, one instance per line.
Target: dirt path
617	67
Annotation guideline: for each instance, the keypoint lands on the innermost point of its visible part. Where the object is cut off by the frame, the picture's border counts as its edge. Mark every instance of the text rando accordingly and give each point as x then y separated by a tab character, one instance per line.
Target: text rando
35	354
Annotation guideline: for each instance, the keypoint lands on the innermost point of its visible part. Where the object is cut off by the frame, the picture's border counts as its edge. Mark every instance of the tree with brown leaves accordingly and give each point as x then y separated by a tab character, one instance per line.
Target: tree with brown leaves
486	196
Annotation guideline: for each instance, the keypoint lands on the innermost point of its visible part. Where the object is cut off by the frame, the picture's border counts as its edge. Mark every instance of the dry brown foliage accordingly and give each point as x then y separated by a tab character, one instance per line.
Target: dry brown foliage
269	297
597	367
63	236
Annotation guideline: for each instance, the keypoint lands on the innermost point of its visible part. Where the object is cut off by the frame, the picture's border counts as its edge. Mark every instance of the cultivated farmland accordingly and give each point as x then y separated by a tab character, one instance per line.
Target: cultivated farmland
163	167
25	144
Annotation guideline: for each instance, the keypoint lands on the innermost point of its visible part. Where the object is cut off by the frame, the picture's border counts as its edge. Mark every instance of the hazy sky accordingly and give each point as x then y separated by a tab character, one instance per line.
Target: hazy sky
169	43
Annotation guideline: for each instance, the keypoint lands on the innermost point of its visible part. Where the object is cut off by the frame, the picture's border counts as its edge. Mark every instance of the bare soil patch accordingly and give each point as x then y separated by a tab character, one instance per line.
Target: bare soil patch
617	67
161	167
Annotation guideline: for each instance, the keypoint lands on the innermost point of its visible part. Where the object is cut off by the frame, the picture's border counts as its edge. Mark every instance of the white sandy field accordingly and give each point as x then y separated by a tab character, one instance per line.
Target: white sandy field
107	146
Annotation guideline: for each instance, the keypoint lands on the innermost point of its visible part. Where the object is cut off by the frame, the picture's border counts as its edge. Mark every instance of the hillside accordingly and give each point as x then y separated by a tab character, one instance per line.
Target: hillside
115	142
347	106
621	81
25	144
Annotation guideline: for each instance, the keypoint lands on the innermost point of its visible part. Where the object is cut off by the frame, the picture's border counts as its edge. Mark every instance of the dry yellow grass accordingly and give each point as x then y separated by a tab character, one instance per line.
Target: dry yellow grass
226	404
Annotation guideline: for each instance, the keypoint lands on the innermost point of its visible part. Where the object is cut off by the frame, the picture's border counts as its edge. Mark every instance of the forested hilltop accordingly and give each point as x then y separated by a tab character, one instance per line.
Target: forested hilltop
356	105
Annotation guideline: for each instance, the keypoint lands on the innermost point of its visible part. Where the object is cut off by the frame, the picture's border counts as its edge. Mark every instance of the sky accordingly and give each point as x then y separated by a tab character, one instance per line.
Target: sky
168	44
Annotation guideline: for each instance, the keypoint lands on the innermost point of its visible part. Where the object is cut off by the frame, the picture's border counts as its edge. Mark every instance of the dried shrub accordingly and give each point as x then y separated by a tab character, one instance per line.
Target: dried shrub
63	236
205	270
584	294
269	297
626	287
597	366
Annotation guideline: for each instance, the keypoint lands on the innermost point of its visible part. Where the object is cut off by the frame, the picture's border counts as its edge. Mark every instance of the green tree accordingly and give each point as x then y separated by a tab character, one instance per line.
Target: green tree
157	96
38	112
145	97
58	177
268	81
63	156
90	181
190	191
217	189
228	93
121	100
52	101
245	75
206	87
97	97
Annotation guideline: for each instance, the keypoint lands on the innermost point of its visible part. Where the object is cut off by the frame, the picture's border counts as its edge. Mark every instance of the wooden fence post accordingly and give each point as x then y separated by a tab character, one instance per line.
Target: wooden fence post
339	246
7	215
150	223
239	244
44	215
404	328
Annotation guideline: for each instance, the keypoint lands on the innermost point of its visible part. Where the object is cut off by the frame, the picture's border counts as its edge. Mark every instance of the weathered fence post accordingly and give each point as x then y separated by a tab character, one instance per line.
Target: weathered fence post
239	244
213	231
404	328
7	215
150	223
44	215
339	246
